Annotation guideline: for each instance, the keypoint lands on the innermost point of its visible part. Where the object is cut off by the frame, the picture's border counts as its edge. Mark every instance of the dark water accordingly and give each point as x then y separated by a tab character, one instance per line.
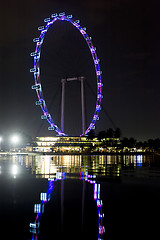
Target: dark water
88	197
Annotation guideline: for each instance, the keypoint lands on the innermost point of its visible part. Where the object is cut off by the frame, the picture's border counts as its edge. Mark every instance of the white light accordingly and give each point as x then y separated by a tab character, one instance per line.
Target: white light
14	169
43	197
37	208
15	139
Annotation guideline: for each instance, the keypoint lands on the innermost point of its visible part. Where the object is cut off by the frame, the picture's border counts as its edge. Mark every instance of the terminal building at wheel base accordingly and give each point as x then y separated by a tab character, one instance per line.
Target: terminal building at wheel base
73	144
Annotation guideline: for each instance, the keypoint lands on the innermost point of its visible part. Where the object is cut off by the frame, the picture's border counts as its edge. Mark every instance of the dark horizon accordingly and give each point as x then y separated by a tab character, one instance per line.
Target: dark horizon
126	36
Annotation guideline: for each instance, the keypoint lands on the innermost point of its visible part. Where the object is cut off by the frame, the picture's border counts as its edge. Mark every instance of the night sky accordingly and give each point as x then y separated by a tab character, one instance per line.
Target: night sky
126	34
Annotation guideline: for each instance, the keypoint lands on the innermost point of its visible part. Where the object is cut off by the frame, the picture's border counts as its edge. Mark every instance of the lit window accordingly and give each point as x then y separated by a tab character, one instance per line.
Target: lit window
43	197
37	208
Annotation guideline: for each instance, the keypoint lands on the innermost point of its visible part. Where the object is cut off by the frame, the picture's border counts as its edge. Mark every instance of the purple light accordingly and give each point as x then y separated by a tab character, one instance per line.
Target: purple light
95	117
36	69
44	197
99	96
100	85
44	31
92	50
83	32
96	61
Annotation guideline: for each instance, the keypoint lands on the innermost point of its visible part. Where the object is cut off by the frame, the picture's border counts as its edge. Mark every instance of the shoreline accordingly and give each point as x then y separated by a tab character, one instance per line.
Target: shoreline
82	154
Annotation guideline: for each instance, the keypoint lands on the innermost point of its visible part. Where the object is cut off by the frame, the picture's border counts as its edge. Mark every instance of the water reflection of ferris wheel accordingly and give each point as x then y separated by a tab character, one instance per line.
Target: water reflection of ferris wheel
45	197
56	19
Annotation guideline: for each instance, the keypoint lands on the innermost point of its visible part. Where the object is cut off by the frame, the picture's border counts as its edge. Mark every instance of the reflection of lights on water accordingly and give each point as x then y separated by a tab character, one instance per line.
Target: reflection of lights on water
96	196
37	208
45	166
109	161
45	197
96	191
60	175
14	170
139	160
48	165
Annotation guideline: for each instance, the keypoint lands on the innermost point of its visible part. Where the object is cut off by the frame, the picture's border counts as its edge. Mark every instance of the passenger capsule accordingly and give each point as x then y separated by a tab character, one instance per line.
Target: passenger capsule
36	40
51	128
47	20
69	16
36	87
45	116
39	103
41	28
62	14
33	70
54	15
34	54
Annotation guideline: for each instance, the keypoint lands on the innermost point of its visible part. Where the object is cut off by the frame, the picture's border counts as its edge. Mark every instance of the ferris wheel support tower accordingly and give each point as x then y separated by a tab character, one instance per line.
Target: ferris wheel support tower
64	81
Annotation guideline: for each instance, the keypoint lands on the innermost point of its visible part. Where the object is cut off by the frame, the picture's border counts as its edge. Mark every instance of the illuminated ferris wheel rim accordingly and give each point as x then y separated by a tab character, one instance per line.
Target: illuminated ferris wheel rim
36	70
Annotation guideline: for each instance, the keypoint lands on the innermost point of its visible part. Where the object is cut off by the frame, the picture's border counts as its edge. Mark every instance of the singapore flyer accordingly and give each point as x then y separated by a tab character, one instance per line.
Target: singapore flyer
36	71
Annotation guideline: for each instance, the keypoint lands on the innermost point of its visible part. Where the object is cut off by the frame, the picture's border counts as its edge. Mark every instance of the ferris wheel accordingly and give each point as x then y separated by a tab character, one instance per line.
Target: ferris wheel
36	71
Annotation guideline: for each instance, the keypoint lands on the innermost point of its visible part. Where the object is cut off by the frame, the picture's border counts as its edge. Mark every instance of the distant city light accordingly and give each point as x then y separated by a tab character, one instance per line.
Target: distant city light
15	139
